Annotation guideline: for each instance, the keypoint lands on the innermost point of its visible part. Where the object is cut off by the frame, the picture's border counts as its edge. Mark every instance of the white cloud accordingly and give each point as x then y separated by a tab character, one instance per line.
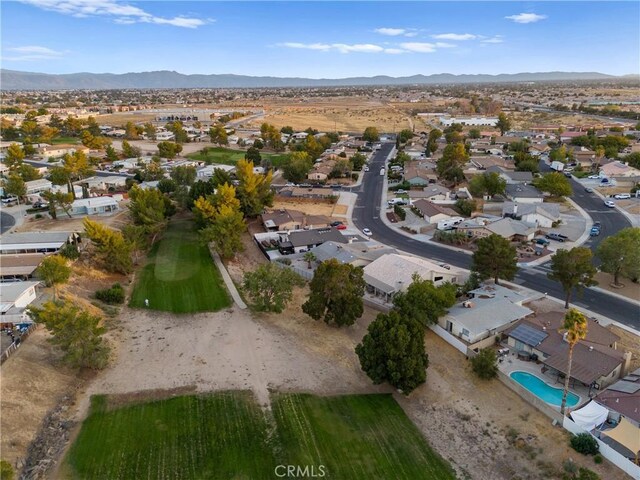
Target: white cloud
124	14
419	47
495	39
392	32
339	47
395	32
454	36
32	52
394	51
445	45
526	17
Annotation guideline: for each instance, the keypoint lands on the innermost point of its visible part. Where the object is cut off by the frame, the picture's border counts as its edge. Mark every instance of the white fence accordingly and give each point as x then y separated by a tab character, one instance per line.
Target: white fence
605	450
450	339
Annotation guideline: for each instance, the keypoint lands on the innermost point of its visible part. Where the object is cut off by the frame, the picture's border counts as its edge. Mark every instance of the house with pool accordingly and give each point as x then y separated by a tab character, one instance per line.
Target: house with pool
542	350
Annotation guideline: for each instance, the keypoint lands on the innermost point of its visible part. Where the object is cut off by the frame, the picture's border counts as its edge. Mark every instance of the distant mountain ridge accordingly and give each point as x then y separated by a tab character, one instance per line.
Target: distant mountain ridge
15	80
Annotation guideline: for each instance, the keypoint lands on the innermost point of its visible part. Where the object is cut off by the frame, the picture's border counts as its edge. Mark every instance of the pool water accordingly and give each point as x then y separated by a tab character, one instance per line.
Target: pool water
543	390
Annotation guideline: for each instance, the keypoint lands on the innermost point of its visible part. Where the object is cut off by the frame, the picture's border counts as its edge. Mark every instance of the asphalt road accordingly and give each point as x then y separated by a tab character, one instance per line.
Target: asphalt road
6	222
366	214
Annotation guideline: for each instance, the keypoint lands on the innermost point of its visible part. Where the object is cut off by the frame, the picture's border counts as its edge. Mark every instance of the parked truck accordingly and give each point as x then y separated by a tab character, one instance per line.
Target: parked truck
557	166
449	224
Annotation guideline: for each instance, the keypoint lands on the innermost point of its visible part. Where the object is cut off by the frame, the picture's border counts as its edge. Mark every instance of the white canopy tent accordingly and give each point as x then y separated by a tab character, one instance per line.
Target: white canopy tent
590	416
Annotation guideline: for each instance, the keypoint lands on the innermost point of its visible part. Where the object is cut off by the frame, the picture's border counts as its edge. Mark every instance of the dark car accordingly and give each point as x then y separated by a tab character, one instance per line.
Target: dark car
597	225
542	241
557	237
335	224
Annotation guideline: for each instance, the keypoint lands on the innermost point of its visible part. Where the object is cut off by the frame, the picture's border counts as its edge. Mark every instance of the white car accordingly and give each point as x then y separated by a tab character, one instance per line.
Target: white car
594	177
622	196
609	203
367	232
366	169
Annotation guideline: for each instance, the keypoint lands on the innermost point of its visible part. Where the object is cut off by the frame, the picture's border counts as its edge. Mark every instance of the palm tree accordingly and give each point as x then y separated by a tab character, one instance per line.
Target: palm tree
575	324
309	257
599	155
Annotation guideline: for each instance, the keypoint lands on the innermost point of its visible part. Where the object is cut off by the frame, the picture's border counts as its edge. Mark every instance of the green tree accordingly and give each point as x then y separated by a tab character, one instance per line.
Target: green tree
620	254
504	123
465	207
150	131
572	269
371	134
405	135
169	149
289	130
112	250
54	271
575	325
14	185
131	132
489	183
474	133
14	156
393	351
148	207
633	159
58	200
423	301
485	364
218	135
184	175
453	133
76	332
254	189
137	236
129	151
357	161
110	154
167	185
432	141
271	136
76	166
336	293
309	257
271	287
297	166
554	183
495	258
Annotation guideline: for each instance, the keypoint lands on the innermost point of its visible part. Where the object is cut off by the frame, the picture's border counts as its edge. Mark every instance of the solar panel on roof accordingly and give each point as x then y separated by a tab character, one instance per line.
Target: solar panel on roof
528	335
625	387
632	378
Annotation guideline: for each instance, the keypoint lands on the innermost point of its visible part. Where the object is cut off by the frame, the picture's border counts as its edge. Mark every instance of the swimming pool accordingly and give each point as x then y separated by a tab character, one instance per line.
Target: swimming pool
543	390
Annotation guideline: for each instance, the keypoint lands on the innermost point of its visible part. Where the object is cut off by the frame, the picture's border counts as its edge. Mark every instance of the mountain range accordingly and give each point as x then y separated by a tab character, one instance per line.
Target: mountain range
15	80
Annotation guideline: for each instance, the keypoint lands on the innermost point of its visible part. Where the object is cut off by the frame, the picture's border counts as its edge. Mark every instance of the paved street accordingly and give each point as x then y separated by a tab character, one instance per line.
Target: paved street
366	214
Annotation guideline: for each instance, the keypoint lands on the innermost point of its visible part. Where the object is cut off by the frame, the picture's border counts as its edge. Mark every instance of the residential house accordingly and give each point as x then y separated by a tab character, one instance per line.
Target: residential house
322	170
508	228
304	240
358	254
292	220
417	176
94	206
510	176
19	266
393	273
596	361
568	136
489	310
433	213
15	297
623	398
208	170
38	186
538	149
539	215
36	242
113	182
434	193
506	140
619	170
484	162
471	121
60	150
521	193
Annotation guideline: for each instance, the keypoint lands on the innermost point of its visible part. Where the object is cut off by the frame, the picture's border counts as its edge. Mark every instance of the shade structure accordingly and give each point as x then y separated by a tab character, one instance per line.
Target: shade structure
627	435
590	416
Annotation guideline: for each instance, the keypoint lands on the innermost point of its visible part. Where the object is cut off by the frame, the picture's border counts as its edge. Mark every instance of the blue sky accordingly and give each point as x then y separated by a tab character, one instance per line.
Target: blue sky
320	39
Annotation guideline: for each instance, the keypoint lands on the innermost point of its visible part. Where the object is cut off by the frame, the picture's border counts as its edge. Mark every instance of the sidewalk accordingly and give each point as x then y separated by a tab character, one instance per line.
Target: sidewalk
227	280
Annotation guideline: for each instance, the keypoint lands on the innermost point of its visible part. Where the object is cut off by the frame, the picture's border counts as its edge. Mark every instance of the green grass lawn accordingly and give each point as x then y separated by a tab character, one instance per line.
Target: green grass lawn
227	156
355	437
180	275
226	435
65	140
191	437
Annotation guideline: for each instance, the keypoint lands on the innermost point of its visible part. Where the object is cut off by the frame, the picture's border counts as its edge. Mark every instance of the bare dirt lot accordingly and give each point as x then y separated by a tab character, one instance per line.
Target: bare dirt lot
65	224
630	289
33	382
309	206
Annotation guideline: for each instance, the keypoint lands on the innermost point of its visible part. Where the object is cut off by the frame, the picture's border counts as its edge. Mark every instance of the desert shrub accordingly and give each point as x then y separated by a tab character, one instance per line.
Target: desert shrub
285	261
112	295
597	459
69	251
399	211
485	364
586	474
584	443
6	471
38	216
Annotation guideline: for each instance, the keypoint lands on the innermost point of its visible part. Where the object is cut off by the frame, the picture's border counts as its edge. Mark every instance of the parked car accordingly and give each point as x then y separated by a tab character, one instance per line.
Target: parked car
336	223
400	191
367	232
445	266
597	225
342	226
594	177
541	241
622	196
567	174
366	168
609	203
588	189
557	237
